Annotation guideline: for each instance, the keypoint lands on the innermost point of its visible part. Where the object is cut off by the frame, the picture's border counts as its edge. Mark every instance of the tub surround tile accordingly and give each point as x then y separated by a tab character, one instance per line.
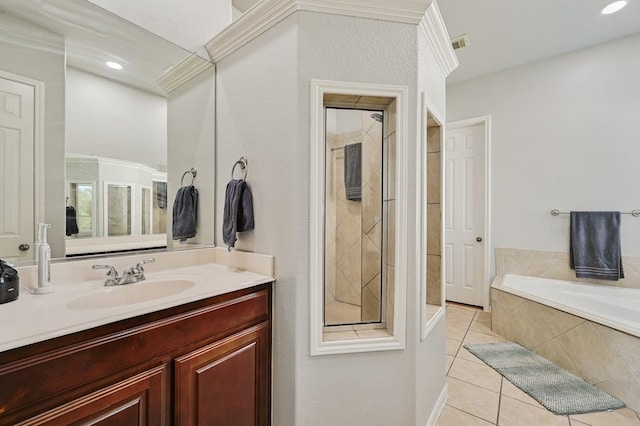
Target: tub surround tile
622	417
527	327
625	388
517	413
507	301
602	362
625	345
557	321
551	264
473	399
553	351
605	357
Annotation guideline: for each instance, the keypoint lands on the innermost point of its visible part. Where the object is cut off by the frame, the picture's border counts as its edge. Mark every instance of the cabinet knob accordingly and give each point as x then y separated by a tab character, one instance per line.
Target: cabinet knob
23	247
479	239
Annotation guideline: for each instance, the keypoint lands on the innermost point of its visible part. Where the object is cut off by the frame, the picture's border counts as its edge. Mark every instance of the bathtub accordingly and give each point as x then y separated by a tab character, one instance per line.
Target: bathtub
591	330
615	307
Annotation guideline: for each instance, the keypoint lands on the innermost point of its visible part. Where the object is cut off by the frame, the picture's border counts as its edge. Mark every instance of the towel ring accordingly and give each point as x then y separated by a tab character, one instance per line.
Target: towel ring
193	173
244	165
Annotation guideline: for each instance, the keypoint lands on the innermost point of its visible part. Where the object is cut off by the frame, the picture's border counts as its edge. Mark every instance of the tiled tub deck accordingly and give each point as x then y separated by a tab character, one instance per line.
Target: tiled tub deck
603	356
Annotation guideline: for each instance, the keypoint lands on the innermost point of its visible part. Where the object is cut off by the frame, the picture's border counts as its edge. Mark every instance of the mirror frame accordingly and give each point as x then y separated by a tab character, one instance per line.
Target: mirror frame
396	340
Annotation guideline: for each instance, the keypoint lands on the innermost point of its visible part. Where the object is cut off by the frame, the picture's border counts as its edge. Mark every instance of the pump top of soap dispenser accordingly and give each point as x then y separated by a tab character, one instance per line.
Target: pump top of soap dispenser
42	232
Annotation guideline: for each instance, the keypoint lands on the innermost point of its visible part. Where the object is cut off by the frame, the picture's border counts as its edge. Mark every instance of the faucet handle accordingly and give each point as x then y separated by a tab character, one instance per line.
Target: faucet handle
143	262
112	271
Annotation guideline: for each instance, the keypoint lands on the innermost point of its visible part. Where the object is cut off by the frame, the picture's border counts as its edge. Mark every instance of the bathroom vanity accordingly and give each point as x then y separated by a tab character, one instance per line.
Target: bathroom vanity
206	361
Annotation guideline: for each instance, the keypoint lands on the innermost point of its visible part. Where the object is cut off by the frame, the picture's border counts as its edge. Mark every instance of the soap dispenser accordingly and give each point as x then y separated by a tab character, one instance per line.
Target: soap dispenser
43	257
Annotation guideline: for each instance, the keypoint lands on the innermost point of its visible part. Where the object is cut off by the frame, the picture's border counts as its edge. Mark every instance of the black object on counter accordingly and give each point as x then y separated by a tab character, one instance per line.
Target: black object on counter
9	283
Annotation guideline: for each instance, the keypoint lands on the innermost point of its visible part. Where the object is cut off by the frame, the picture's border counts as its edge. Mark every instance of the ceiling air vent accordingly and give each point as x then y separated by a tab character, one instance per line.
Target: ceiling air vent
460	42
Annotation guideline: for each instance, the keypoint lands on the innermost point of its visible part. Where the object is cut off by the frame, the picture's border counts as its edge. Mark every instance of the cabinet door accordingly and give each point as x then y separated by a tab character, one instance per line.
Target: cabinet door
226	382
138	400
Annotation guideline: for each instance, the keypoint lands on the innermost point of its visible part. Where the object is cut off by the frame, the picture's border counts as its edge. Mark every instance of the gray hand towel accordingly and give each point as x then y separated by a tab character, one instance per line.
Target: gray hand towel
594	246
353	171
238	211
185	210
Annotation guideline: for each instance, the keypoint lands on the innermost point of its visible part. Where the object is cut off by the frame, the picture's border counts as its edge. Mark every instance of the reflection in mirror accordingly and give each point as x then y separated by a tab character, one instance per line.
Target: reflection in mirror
54	55
354	222
108	198
358	217
118	210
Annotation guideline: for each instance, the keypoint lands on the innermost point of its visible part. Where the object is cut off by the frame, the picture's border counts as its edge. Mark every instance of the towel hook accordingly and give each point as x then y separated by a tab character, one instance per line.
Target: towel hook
244	165
193	173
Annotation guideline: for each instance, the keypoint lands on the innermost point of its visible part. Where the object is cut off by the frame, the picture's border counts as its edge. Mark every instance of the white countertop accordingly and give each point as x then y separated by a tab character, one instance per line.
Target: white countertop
34	318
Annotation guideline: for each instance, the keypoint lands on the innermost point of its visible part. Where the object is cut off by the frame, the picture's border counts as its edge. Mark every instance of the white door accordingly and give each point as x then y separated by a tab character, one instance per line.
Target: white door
16	169
464	214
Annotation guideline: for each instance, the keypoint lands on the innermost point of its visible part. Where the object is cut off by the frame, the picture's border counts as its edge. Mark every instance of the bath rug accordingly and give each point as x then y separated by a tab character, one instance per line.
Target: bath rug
559	390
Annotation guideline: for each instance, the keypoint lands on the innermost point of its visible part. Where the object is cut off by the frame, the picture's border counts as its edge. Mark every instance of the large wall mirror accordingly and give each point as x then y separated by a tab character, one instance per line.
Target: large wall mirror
83	129
358	217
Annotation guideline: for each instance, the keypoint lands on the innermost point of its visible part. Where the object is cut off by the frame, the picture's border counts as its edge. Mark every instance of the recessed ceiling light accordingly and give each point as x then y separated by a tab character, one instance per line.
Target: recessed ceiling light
613	7
114	65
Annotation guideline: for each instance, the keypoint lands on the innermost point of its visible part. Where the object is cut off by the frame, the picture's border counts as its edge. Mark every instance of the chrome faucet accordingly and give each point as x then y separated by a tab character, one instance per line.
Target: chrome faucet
129	276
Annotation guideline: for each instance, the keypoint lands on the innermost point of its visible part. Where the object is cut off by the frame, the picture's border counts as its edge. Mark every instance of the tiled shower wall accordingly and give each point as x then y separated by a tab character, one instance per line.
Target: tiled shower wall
434	207
371	280
343	247
555	265
354	228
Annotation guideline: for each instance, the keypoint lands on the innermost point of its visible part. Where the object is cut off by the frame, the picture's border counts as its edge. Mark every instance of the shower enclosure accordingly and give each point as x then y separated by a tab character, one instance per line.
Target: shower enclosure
354	216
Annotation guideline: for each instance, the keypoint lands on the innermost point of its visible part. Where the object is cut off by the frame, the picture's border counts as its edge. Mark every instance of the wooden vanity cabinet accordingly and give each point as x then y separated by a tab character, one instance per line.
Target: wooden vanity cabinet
203	363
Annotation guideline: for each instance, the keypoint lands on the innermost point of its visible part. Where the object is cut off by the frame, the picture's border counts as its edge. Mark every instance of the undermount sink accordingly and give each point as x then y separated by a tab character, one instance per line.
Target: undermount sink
143	291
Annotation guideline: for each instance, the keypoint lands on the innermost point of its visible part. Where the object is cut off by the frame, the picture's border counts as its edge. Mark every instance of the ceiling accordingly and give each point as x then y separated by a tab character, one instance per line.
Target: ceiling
507	33
93	36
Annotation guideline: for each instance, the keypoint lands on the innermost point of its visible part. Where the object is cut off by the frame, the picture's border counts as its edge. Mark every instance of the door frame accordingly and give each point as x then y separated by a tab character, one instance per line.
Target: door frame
38	142
484	120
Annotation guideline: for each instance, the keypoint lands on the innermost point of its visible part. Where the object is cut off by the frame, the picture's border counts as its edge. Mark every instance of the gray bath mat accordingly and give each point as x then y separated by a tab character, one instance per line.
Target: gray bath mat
560	391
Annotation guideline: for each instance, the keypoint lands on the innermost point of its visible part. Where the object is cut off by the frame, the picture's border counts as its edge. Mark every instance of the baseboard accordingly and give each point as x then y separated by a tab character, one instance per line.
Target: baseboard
440	403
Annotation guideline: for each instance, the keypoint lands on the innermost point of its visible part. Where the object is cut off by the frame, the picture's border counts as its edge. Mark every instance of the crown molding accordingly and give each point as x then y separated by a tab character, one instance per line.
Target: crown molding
183	72
268	13
432	25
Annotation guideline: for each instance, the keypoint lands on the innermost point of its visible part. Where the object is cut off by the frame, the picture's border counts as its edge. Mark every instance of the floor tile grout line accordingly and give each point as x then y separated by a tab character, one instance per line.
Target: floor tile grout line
499	401
471	414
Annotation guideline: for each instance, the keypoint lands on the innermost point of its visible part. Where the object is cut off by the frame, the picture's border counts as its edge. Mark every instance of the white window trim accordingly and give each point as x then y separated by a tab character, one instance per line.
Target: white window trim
396	340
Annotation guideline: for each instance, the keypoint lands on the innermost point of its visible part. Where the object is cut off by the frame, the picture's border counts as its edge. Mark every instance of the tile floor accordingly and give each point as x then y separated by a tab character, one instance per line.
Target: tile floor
478	395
